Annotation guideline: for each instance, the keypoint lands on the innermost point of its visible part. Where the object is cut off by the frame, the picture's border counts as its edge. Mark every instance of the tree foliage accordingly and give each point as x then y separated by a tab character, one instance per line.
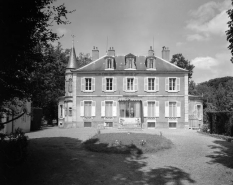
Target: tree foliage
180	61
229	32
25	25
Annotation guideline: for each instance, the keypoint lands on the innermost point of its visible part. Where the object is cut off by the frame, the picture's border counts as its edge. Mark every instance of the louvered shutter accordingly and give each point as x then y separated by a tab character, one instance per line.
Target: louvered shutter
178	84
156	84
93	108
83	84
114	83
124	83
146	84
103	84
135	84
114	109
157	109
178	109
166	84
93	84
145	105
81	108
102	108
166	109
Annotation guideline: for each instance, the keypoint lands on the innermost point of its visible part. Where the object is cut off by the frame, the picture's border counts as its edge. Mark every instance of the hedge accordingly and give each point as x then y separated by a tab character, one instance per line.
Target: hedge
221	122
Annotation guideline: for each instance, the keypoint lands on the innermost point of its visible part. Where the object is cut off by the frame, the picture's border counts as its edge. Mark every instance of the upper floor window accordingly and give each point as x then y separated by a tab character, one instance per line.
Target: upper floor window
88	84
130	84
151	84
172	84
109	63
109	84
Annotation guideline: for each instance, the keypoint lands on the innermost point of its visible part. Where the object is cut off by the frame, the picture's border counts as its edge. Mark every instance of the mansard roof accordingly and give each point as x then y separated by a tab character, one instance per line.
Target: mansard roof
161	64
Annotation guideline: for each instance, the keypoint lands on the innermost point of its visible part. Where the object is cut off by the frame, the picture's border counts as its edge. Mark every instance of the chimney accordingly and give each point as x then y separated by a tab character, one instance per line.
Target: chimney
166	54
111	52
151	52
95	53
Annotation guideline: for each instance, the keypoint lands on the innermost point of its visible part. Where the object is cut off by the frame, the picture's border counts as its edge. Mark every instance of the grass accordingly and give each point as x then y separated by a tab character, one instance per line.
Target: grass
127	143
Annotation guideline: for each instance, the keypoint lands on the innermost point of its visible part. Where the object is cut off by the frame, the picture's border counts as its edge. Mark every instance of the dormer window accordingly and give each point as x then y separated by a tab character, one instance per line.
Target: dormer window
130	63
151	63
109	63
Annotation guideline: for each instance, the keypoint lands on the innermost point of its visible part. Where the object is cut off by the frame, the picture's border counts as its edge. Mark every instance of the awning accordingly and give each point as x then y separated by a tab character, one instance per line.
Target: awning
129	99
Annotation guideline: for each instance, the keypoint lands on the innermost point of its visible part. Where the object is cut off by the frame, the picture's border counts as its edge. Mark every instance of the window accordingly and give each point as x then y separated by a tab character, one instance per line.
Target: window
172	109
172	84
151	124
70	111
70	86
172	124
198	112
151	109
130	109
151	63
61	111
130	63
87	108
87	124
109	84
151	84
108	124
108	109
109	63
130	84
88	84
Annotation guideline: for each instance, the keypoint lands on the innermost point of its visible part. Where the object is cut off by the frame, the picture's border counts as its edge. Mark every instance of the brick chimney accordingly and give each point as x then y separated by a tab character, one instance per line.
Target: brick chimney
111	51
151	52
95	53
166	54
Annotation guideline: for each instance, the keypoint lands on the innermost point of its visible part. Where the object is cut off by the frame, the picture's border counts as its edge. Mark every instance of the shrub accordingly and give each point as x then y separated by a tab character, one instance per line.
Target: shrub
13	148
205	128
221	122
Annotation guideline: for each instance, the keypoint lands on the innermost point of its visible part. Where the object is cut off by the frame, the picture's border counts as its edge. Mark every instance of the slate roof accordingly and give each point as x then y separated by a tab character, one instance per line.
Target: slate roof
161	64
72	64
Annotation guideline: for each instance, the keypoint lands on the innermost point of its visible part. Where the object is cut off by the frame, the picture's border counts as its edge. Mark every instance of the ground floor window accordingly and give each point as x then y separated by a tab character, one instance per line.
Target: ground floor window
172	109
87	108
151	109
87	124
130	109
108	109
108	124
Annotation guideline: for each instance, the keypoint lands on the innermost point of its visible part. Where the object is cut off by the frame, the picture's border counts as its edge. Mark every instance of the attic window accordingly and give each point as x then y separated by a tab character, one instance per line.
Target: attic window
151	63
130	63
109	63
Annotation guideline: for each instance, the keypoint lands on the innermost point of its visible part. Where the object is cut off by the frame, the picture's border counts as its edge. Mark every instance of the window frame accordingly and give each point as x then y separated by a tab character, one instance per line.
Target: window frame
111	61
154	84
90	84
83	84
149	62
133	82
107	83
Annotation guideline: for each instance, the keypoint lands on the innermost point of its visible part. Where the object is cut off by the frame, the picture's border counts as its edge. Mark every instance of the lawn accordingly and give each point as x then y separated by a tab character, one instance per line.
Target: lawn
126	143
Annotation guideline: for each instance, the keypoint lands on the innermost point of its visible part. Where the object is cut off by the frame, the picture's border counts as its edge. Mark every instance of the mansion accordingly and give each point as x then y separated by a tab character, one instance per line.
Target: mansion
130	90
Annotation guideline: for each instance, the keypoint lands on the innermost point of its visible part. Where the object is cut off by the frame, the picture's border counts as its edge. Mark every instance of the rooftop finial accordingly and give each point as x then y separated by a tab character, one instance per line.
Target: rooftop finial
72	40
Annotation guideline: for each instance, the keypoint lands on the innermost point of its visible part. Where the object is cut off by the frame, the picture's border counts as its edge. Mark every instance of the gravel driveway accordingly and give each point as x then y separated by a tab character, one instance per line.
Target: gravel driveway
56	158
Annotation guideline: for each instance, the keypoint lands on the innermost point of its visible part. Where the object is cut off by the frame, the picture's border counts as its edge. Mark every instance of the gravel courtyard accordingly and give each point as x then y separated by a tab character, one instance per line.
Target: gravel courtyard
55	157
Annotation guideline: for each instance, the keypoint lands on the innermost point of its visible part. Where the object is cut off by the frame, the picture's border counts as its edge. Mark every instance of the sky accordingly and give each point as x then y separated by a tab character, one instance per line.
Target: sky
195	28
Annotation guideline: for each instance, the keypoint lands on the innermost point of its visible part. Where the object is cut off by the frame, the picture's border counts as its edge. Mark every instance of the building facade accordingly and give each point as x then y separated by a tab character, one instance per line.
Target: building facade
125	91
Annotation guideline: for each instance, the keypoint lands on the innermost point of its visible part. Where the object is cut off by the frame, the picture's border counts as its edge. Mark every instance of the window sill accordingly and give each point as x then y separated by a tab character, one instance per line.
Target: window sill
172	91
152	91
88	91
152	69
130	69
130	91
109	91
109	69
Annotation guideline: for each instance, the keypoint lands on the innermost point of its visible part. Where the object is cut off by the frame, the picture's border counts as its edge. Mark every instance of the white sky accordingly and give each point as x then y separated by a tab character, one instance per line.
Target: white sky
195	28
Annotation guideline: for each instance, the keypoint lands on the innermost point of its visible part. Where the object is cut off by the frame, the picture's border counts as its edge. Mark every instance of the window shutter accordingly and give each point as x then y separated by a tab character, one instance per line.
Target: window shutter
166	109
195	110
135	84
114	109
81	108
83	84
154	64
106	63
156	108
104	84
145	109
124	83
166	84
178	109
102	108
146	84
93	84
93	108
114	83
156	84
178	84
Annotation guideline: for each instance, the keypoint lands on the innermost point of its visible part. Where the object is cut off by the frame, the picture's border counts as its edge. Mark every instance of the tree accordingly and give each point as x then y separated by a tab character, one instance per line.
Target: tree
229	32
83	59
25	25
180	61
